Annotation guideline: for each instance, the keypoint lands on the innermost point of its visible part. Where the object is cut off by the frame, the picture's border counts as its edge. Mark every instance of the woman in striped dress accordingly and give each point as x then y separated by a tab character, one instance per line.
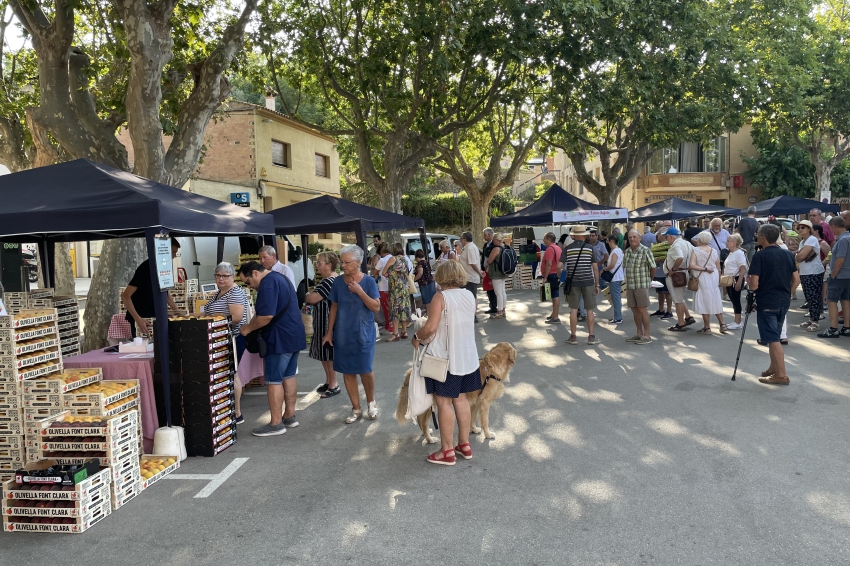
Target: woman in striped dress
326	264
231	300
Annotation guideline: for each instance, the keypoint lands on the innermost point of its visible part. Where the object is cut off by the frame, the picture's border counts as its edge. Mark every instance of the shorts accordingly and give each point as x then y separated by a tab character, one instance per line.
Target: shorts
552	280
677	293
280	367
770	324
637	298
837	290
576	293
663	281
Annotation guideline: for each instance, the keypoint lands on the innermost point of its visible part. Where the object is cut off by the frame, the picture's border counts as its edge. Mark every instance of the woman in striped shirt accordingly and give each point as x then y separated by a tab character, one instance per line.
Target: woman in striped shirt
231	300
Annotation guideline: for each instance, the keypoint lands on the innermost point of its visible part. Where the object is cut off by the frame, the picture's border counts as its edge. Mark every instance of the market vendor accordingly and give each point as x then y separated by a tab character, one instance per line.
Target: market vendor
138	294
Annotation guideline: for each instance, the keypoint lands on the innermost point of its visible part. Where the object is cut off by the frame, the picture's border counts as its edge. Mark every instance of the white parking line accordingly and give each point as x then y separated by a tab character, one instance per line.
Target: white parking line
216	480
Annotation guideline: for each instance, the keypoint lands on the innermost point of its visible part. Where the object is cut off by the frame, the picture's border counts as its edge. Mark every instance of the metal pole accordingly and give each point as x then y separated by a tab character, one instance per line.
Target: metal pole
160	303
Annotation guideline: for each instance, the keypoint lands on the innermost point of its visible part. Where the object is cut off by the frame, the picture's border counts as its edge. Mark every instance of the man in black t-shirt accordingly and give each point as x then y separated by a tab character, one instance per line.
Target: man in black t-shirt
691	231
138	295
773	273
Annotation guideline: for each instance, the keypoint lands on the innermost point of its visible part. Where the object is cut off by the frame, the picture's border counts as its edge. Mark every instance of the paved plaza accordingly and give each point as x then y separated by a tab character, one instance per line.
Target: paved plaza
617	454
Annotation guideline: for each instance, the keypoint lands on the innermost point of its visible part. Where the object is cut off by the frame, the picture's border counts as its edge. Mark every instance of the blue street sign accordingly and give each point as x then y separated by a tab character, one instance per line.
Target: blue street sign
240	199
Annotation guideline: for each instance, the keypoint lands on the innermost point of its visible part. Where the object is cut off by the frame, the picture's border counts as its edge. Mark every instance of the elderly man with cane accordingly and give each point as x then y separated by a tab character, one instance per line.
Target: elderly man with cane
772	275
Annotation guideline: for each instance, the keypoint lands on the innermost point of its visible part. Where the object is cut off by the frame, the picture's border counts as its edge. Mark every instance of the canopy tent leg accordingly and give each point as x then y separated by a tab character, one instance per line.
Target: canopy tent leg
360	235
305	259
219	252
160	303
424	240
46	262
269	240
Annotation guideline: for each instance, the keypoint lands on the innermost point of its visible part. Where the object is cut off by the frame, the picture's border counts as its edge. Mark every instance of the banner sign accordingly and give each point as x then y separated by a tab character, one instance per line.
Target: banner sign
164	263
589	215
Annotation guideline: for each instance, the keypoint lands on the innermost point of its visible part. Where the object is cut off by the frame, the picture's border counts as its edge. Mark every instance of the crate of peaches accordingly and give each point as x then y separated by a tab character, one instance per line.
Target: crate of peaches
65	382
154	467
103	399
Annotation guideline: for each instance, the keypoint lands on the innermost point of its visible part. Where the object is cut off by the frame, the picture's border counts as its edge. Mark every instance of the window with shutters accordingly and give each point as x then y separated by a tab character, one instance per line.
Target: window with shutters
323	165
280	153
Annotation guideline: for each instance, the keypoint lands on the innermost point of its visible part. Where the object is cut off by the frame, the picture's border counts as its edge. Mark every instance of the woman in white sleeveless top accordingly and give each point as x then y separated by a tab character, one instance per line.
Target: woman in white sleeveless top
451	334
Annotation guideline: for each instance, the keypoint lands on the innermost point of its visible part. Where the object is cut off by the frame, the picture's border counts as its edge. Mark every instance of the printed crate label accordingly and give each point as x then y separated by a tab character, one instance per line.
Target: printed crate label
28	360
10	402
42	400
12	441
45	508
28	317
74	400
39	370
57	426
81	491
36	414
68	380
68	524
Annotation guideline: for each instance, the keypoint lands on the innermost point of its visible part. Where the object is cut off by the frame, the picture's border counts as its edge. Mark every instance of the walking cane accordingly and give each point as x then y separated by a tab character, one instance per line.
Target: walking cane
750	306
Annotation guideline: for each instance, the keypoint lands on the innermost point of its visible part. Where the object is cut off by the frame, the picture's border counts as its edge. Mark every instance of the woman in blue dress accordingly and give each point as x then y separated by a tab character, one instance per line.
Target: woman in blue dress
351	330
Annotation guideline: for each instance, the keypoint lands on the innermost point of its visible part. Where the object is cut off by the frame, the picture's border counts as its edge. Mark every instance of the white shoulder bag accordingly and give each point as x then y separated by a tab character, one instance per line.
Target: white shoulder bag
418	398
432	366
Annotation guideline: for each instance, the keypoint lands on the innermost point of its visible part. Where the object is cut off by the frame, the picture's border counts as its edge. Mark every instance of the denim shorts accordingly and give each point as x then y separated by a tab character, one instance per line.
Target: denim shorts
770	324
280	367
552	280
837	290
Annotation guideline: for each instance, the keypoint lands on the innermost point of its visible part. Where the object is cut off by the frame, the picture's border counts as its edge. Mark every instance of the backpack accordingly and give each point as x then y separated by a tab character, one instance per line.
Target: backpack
507	261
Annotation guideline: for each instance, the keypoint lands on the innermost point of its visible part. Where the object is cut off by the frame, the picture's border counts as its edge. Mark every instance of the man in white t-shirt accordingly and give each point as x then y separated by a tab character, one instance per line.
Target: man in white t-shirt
383	287
268	257
678	256
470	259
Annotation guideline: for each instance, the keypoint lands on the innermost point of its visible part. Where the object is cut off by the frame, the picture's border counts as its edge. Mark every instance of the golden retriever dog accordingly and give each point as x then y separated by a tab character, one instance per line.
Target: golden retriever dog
495	369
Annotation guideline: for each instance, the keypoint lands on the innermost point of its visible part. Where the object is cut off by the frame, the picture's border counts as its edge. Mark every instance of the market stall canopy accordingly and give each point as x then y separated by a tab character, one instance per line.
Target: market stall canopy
82	200
557	206
785	205
333	214
676	209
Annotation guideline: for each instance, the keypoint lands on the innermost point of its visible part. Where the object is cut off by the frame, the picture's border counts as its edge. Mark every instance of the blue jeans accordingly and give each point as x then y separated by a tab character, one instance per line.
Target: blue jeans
616	298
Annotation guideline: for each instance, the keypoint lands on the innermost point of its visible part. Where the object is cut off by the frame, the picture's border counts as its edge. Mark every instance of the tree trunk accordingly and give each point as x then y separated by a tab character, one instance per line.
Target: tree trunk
480	204
823	175
123	255
63	270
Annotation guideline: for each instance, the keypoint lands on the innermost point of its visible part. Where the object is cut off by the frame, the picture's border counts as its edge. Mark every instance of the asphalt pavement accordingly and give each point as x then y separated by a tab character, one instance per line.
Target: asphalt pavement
616	454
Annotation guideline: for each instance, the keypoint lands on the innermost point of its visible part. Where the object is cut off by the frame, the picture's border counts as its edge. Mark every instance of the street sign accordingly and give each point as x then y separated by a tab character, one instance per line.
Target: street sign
240	199
825	196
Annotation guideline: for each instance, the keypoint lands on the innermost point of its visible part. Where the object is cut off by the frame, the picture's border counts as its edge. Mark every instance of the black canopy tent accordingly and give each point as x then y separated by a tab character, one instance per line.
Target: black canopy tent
785	205
333	214
677	209
83	200
542	212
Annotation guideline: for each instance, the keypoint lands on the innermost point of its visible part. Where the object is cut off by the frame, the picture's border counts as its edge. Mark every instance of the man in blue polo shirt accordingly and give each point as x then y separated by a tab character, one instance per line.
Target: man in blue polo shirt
773	273
278	316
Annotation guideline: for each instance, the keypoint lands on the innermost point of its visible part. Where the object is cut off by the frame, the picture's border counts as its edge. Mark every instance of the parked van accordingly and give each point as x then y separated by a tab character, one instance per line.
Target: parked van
198	258
412	242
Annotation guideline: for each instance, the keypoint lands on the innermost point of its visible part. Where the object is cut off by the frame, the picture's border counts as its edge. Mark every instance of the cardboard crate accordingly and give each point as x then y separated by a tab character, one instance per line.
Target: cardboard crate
34	414
11	336
127	481
56	426
11	429
64	382
74	401
10	402
100	443
149	481
22	361
41	400
123	405
17	295
12	441
109	458
11	415
41	293
10	388
13	454
28	317
209	451
40	370
122	498
73	525
36	508
123	469
9	466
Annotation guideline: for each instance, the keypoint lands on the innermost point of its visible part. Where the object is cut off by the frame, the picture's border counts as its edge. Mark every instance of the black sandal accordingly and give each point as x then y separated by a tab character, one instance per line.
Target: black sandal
330	392
690	320
678	328
322	388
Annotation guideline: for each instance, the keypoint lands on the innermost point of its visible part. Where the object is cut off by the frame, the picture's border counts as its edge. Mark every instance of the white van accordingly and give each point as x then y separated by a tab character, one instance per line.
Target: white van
412	243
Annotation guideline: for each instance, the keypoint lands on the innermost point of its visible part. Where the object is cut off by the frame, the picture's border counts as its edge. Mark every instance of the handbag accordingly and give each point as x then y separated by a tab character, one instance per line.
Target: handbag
727	280
608	276
568	284
693	282
435	367
679	278
418	398
724	252
254	341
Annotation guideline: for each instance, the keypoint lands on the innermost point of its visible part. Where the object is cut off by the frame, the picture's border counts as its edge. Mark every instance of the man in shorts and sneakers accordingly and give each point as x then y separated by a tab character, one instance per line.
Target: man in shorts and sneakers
277	314
678	256
838	284
640	270
773	274
549	271
580	263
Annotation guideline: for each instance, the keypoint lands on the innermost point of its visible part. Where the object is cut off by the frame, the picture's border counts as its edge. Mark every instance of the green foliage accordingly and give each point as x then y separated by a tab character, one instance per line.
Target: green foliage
541	188
787	170
314	248
444	209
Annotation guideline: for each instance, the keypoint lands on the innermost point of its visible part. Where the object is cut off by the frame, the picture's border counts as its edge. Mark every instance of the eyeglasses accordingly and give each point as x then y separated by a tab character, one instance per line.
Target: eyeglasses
350	261
222	275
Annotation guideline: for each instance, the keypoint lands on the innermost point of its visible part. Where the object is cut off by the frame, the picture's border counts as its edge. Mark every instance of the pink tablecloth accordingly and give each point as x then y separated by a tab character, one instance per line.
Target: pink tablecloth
250	366
116	367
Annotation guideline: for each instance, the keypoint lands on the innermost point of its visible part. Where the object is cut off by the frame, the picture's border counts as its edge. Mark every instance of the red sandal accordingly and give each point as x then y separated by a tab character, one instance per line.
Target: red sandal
442	457
464	451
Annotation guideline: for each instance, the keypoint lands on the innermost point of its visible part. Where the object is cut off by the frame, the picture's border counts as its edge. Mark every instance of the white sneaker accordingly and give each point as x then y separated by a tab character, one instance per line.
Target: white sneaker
734	326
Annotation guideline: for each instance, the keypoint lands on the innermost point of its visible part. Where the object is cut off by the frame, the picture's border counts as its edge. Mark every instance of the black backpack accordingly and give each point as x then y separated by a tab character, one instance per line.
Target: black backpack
507	261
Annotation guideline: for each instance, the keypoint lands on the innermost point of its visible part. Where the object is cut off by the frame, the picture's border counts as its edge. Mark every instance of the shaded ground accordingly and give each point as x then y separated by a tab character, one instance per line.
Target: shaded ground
615	454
